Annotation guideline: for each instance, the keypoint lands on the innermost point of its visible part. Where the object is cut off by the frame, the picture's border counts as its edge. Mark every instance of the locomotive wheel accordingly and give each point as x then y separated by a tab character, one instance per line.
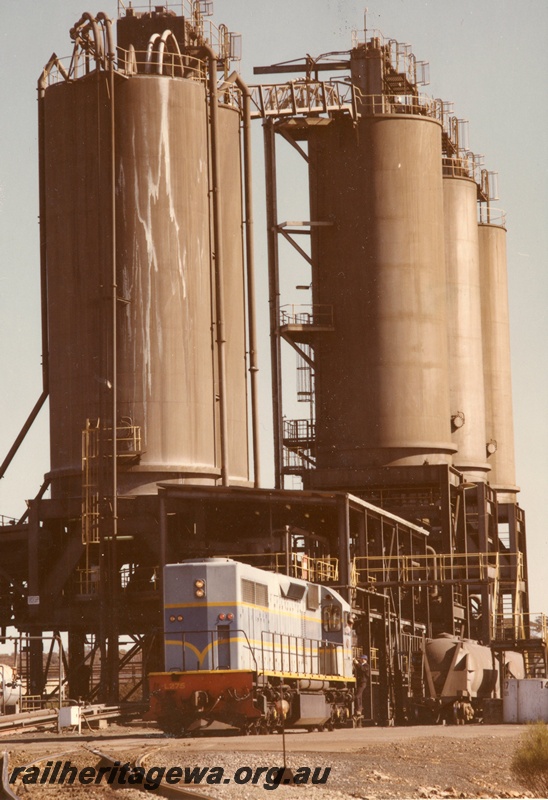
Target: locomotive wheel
251	729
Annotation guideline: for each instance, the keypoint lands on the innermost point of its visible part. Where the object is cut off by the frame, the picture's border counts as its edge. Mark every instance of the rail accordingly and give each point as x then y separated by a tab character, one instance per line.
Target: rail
491	216
225	43
460	167
323	569
300	431
413	104
288	654
185	7
438	568
162	787
6	792
302	97
160	61
133	578
397	54
153	61
521	625
306	314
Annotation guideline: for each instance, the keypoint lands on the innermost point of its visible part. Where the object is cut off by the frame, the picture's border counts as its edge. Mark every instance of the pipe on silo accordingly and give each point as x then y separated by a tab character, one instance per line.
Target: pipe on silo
250	264
107	24
218	257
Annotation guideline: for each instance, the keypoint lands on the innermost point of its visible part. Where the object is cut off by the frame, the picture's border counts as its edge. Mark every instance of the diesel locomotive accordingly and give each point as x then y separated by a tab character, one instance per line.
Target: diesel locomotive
253	649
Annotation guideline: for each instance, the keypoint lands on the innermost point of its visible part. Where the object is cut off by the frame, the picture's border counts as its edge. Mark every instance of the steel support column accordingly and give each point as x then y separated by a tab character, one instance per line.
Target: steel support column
274	297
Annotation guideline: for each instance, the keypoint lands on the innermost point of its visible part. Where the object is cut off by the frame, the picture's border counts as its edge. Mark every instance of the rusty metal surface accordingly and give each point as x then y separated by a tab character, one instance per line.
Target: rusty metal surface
166	338
464	327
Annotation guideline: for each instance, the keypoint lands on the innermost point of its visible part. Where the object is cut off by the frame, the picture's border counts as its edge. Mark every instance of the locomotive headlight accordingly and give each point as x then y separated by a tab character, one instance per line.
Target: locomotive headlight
230	617
222	616
180	618
199	587
172	618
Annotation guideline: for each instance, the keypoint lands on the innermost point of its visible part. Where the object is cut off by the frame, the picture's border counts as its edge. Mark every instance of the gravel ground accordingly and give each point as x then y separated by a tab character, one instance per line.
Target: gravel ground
378	764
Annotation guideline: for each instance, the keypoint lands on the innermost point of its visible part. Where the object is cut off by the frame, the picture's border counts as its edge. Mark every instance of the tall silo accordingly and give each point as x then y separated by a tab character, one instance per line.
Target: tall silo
175	185
466	386
382	387
496	355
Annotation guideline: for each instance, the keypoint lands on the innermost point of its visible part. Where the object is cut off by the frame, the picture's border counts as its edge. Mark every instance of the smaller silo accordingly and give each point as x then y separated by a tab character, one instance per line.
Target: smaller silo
496	357
466	386
382	386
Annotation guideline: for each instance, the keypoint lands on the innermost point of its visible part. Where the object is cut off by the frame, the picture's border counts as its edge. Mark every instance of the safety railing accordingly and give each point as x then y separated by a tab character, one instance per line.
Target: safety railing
397	55
184	7
31	702
302	97
412	104
303	314
286	654
195	12
300	431
521	625
88	581
437	568
296	460
160	59
322	569
460	167
491	216
130	62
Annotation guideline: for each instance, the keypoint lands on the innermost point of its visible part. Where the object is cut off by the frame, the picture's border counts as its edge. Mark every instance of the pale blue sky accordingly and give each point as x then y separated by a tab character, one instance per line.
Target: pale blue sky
488	56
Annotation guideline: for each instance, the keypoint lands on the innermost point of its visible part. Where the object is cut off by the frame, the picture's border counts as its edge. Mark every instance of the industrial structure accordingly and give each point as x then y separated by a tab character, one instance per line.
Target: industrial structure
409	501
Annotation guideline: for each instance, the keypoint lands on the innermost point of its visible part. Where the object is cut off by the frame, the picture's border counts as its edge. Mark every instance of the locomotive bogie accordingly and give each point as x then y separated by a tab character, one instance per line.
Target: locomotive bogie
191	700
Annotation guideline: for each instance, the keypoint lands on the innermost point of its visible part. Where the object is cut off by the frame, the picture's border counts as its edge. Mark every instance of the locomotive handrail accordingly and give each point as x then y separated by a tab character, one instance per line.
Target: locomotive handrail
306	649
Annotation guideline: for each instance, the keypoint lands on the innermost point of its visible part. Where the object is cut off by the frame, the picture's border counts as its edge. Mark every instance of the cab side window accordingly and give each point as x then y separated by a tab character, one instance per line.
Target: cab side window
331	618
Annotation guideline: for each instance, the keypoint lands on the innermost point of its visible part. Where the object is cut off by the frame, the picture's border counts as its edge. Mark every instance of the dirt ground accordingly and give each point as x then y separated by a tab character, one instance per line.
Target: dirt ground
375	763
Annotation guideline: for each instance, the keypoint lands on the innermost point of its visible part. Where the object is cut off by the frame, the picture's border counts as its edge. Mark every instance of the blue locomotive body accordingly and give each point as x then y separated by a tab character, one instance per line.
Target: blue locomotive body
251	648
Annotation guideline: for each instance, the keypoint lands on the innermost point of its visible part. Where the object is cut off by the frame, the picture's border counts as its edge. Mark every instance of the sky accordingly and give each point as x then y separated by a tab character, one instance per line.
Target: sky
487	56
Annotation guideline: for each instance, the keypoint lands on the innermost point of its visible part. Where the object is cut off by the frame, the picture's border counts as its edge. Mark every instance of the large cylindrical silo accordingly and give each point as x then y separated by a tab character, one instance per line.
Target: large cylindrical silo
167	374
382	375
466	388
496	360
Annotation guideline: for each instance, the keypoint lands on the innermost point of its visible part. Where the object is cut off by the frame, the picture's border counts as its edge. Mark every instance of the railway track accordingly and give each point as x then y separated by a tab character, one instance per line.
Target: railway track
6	792
108	762
164	789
